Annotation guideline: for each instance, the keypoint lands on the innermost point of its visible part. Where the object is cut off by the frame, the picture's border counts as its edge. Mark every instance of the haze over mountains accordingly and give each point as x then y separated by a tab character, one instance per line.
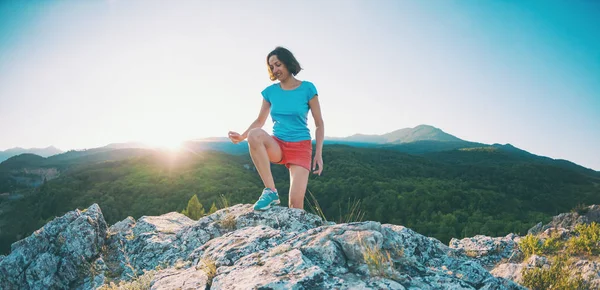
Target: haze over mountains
405	135
44	152
420	139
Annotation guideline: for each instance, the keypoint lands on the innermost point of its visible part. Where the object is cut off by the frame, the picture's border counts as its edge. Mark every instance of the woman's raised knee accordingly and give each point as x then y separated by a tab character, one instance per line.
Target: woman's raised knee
255	135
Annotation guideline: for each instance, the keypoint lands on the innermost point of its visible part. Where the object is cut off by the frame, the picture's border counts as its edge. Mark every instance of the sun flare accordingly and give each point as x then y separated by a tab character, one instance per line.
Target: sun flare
166	143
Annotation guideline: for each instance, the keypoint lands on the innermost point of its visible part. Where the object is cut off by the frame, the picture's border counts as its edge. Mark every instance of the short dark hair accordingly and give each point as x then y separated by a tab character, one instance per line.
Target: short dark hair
287	58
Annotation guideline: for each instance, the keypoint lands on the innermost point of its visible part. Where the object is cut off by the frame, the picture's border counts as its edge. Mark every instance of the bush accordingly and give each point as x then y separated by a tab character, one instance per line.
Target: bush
552	244
558	276
530	245
194	209
142	282
586	241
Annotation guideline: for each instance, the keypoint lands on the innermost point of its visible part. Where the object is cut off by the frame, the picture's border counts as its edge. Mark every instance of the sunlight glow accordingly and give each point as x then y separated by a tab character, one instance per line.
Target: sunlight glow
164	143
161	72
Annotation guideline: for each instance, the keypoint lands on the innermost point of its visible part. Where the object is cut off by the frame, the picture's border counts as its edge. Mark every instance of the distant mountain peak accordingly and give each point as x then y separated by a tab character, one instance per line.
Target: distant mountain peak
44	152
421	132
425	126
51	147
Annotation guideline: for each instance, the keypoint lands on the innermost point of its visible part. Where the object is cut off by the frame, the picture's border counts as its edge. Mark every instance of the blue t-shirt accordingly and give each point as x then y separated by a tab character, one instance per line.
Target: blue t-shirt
289	110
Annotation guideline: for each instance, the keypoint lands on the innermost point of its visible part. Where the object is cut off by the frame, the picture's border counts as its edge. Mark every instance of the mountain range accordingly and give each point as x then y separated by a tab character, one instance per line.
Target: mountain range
401	136
417	140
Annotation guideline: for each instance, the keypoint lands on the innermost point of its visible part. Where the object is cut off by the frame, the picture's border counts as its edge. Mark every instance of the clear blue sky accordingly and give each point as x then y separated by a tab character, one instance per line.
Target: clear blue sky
82	74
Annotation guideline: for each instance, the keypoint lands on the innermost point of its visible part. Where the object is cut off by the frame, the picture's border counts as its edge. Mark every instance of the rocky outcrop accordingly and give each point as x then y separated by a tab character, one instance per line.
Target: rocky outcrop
33	177
590	270
514	271
237	248
487	250
504	259
60	255
569	220
364	255
161	241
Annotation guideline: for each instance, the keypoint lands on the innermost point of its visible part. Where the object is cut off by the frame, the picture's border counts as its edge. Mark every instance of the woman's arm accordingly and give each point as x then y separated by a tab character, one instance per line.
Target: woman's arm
258	123
261	119
315	108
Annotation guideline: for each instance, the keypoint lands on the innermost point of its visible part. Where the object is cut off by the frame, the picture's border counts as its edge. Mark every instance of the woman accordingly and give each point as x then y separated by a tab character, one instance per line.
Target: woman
288	101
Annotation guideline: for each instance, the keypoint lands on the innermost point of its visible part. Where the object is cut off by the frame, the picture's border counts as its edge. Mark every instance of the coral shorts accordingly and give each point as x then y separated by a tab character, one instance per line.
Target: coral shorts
297	153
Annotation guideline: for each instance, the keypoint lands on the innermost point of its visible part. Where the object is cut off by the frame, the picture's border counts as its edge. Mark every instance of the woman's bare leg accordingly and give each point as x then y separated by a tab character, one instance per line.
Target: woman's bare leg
298	183
264	150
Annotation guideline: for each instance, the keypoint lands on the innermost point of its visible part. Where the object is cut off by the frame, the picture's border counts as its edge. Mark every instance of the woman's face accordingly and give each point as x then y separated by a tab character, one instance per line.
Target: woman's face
278	68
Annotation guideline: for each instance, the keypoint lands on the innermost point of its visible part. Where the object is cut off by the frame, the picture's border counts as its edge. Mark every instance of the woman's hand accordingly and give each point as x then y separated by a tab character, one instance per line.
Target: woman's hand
317	165
235	137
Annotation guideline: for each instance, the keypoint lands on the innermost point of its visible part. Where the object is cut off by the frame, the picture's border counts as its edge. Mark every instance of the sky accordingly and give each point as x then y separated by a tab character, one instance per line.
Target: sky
82	74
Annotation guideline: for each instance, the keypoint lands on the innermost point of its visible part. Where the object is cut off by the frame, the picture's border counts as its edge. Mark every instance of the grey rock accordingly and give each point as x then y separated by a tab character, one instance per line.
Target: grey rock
565	220
513	271
96	276
593	214
536	261
229	248
184	279
57	256
238	248
560	233
535	229
487	250
153	242
571	219
161	241
590	271
285	271
337	257
123	226
510	271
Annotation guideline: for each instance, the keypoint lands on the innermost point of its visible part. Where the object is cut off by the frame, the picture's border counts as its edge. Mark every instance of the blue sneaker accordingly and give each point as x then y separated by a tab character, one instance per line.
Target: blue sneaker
267	199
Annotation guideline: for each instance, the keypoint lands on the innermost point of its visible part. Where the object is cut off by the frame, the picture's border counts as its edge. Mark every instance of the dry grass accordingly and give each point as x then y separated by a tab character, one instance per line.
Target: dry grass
380	262
223	202
228	222
209	267
181	264
353	212
471	253
313	205
139	283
